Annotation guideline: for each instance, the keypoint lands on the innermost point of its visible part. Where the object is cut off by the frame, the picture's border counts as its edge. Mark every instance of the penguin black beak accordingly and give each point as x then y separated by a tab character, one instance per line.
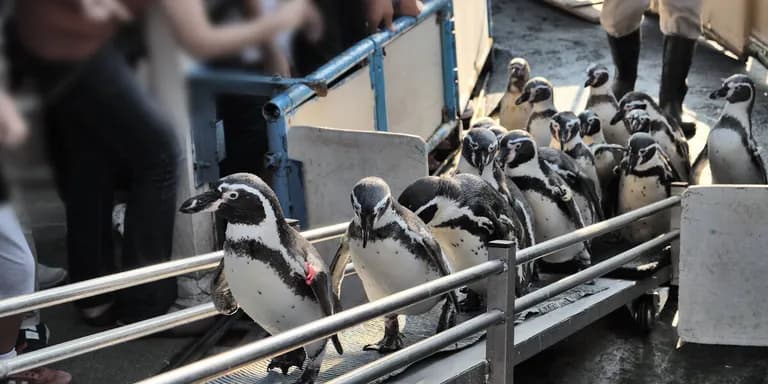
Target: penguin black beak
366	226
588	82
205	202
617	117
514	72
719	94
523	98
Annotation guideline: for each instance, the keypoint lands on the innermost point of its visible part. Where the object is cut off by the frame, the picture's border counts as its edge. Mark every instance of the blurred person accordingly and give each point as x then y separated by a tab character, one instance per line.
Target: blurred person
17	265
100	121
347	22
681	25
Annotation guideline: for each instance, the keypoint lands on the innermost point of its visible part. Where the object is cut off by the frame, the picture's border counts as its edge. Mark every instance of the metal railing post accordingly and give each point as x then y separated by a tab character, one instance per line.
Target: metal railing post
674	217
500	344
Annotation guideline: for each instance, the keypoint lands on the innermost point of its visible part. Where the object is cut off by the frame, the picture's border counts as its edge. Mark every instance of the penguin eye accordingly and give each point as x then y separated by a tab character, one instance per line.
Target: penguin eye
492	147
231	195
642	152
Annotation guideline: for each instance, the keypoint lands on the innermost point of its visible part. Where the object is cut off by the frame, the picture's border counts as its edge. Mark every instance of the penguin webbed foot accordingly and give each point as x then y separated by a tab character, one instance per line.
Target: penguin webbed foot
308	376
284	362
472	303
389	343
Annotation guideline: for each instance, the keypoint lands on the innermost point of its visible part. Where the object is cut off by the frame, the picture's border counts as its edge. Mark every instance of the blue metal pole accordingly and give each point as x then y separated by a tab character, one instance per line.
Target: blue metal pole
450	79
376	67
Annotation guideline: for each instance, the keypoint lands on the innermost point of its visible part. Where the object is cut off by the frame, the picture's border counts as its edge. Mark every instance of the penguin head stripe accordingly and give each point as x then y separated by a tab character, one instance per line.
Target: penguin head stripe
597	76
371	198
736	89
519	73
535	91
239	198
516	148
639	121
590	123
642	152
479	147
638	100
565	127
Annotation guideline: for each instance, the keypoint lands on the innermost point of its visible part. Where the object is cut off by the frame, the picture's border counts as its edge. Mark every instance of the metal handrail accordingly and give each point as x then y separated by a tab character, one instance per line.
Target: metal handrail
88	288
593	272
419	350
283	342
590	232
104	339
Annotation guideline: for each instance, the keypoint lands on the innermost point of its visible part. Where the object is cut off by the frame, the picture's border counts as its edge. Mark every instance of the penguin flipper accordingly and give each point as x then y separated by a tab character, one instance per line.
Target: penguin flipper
339	264
566	195
321	287
222	297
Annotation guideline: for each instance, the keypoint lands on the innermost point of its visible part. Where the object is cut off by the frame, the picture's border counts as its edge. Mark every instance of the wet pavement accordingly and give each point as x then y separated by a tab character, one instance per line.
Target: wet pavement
559	47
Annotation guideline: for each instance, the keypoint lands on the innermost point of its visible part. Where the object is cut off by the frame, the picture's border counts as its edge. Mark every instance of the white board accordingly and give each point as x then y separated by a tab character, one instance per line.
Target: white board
413	75
333	160
348	105
473	44
723	265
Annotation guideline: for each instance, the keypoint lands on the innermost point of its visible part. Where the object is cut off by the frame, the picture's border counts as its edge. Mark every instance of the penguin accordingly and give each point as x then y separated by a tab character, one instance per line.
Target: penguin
602	102
670	138
566	126
554	206
464	213
607	158
482	122
498	130
645	177
734	155
381	235
583	188
538	92
513	115
272	272
478	157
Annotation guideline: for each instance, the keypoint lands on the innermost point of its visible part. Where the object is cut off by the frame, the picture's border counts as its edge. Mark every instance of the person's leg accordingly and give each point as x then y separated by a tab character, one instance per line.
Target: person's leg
17	273
621	21
681	24
133	128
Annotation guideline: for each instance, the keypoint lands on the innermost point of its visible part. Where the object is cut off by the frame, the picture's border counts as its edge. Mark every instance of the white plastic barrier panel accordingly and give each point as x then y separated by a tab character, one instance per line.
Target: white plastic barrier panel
724	265
473	43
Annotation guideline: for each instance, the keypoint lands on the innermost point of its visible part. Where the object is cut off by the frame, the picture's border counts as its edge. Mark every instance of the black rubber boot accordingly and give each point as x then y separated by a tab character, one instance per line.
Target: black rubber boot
626	53
678	53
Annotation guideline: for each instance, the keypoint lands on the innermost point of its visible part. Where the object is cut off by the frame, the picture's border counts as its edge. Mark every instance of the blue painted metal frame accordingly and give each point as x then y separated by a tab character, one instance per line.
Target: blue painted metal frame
289	94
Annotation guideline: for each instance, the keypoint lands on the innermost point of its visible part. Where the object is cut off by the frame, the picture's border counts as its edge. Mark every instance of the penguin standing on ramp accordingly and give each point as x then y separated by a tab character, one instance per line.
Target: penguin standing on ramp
734	155
539	93
567	128
273	273
607	158
645	177
554	206
513	115
391	250
478	157
670	138
603	103
464	213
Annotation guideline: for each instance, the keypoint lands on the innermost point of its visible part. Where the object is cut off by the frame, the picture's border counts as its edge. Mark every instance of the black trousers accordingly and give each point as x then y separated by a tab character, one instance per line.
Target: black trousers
105	131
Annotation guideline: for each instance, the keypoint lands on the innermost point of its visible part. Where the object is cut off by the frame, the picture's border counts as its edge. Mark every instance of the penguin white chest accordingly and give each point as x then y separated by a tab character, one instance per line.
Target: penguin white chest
637	192
266	297
463	250
511	115
539	129
385	267
551	222
730	160
614	133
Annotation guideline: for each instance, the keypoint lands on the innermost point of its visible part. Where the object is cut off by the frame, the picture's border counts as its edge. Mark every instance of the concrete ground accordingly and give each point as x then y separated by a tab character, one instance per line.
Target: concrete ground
559	47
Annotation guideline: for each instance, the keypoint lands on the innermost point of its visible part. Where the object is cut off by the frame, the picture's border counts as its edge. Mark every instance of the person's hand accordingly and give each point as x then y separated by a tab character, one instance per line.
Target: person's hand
295	14
105	10
380	14
410	8
13	128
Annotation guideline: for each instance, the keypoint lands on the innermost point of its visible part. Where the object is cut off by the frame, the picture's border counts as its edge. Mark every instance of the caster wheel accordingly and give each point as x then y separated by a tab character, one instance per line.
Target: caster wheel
644	313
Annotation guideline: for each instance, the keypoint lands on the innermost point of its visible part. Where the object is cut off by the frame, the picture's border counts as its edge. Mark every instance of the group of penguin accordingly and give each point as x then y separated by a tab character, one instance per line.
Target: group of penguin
537	175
